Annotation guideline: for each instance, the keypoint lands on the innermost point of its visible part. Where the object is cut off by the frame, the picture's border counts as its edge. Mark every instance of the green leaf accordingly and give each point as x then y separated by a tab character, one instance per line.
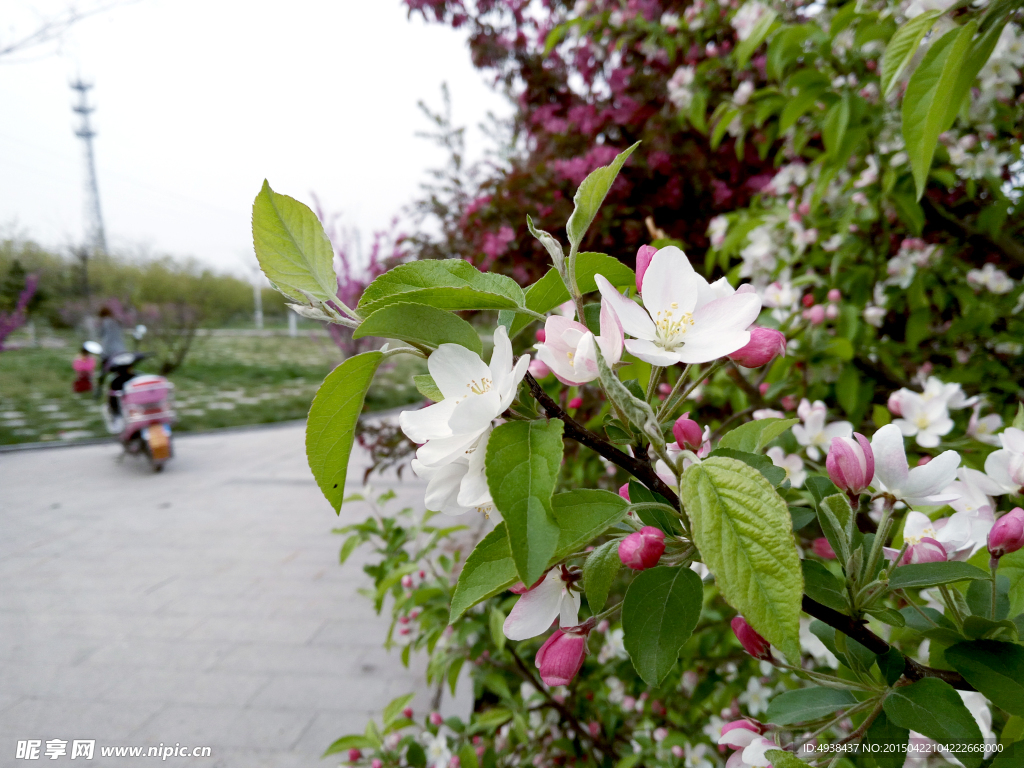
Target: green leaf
757	35
837	523
451	284
994	668
427	387
902	47
659	613
891	664
925	102
581	515
1012	567
932	708
394	709
496	622
773	474
491	718
889	740
591	193
599	572
348	548
345	743
744	533
331	425
968	73
919	575
292	249
979	598
823	586
550	292
798	106
551	245
805	704
653	509
523	461
753	436
833	126
820	487
420	323
783	759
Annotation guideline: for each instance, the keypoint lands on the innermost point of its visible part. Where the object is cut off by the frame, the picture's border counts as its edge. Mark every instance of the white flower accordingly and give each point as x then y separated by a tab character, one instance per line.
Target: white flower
813	645
794	174
780	295
699	756
743	93
460	485
792	463
614	648
924	485
832	244
474	395
1010	47
670	21
540	605
1006	466
755	697
917	7
954	533
991	278
679	90
869	176
984	428
438	754
570	349
951	394
927	419
684	320
813	433
717	229
746	18
713	728
874	315
759	253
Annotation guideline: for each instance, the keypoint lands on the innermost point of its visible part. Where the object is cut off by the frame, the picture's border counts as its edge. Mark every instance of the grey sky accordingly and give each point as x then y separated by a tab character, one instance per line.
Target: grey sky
197	102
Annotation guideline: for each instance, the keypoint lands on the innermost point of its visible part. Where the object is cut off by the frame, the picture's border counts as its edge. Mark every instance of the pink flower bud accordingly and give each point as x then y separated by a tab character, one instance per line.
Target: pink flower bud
895	404
594	728
835	295
541	335
407	713
752	642
603	626
407	581
576	402
764	346
823	549
927	550
377	763
815	315
538	368
763	388
455	762
435	718
643	260
660	734
923	460
642	549
1007	535
628	703
851	463
740	730
831	312
804	208
562	655
789	402
677	751
688	433
624	491
807	300
354	755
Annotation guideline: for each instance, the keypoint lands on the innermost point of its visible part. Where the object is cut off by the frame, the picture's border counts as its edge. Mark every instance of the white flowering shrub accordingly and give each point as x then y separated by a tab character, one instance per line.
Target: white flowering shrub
801	544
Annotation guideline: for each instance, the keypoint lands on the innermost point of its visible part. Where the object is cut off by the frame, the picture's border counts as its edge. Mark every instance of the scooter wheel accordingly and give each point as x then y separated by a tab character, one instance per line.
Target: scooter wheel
158	466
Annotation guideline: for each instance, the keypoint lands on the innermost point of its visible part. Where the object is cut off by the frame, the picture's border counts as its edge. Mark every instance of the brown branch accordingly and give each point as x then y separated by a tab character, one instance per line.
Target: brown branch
576	431
527	674
859	632
949	222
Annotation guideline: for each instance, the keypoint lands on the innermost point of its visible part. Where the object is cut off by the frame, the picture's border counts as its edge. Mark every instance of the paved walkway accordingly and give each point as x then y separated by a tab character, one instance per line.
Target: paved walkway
202	606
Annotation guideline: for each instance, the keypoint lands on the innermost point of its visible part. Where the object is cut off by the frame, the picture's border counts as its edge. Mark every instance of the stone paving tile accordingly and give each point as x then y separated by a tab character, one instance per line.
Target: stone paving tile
201	606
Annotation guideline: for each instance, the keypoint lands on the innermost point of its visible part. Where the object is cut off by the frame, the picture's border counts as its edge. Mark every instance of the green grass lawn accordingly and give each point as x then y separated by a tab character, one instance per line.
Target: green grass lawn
226	381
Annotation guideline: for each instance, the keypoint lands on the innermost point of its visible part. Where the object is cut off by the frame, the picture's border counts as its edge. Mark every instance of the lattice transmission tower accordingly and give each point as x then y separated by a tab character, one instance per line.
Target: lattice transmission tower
96	234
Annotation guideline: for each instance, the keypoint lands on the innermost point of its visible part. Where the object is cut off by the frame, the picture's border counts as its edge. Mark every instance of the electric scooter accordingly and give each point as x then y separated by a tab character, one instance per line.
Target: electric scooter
139	408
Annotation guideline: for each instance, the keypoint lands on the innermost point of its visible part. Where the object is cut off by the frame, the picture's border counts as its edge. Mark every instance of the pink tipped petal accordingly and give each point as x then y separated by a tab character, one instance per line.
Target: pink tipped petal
634	320
535	610
891	467
643	260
